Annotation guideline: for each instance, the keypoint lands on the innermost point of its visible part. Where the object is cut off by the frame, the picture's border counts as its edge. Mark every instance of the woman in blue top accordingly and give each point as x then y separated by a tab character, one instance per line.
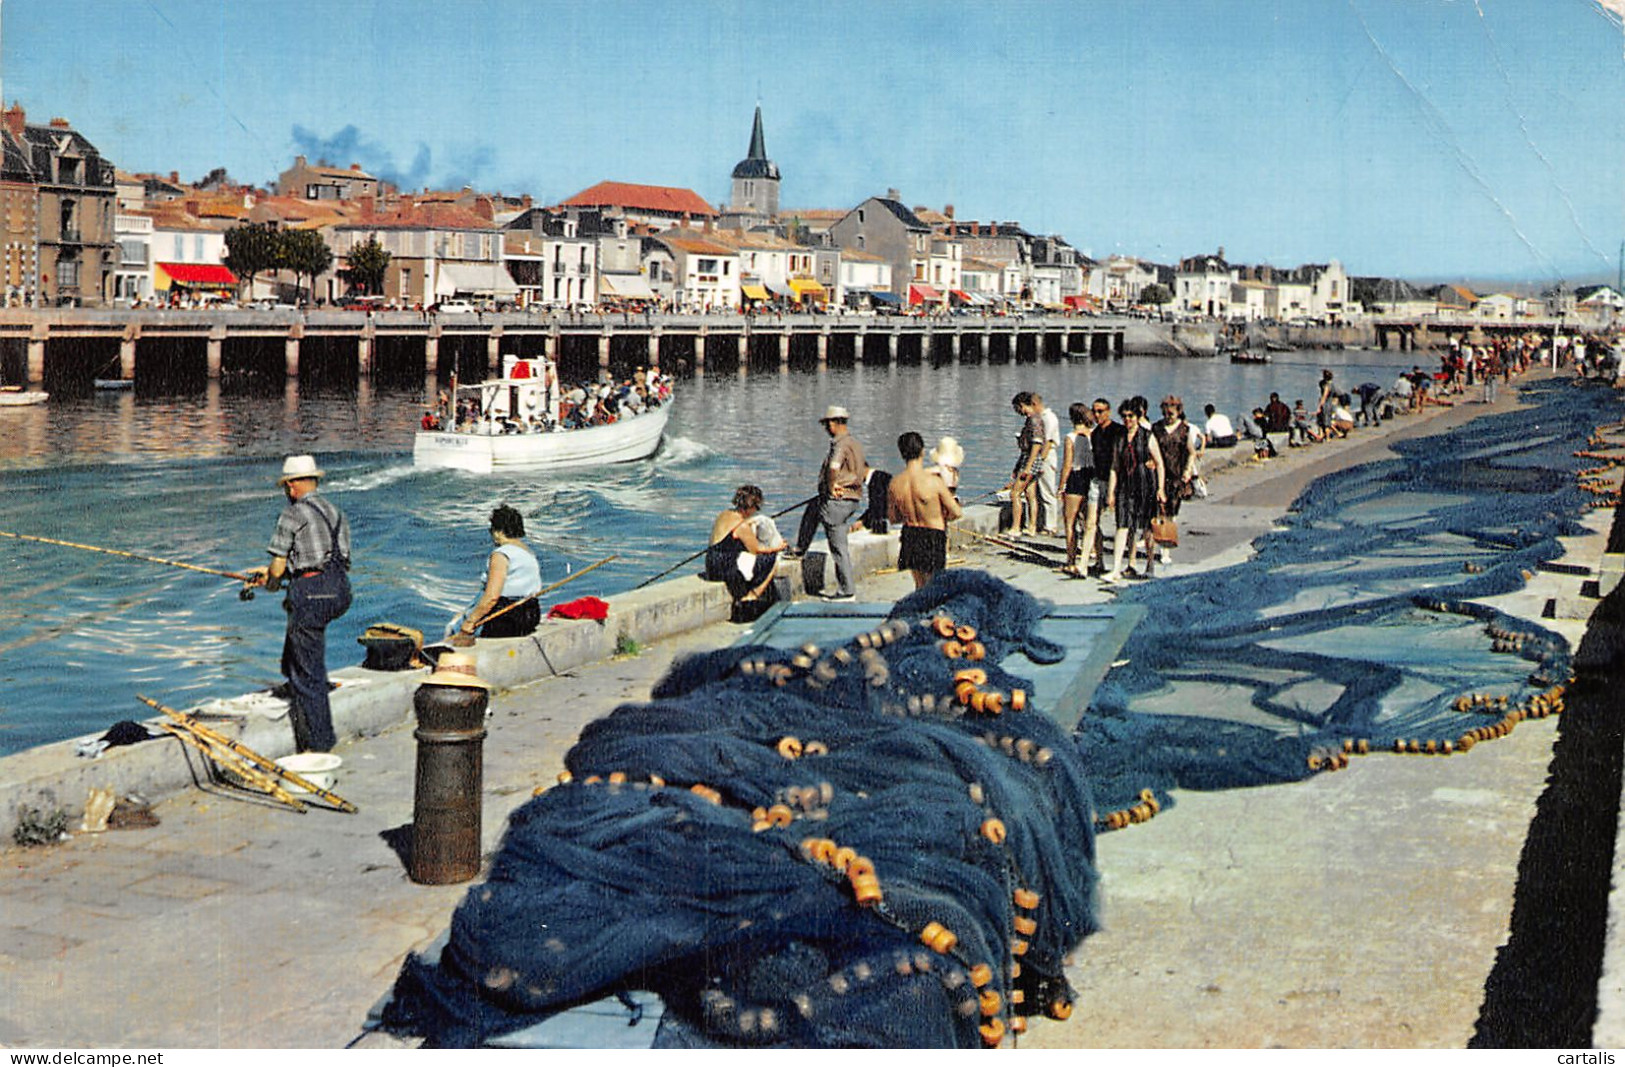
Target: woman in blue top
511	575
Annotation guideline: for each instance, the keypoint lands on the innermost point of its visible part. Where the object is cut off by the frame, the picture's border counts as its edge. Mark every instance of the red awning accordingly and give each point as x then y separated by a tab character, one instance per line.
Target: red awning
960	295
919	294
198	273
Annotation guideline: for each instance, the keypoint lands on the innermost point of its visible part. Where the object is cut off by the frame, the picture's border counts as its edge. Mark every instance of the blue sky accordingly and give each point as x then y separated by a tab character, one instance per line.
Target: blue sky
1418	138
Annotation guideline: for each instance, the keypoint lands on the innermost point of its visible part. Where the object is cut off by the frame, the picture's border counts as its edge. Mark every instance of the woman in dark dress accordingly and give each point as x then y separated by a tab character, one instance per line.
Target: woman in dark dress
1173	436
1135	489
737	534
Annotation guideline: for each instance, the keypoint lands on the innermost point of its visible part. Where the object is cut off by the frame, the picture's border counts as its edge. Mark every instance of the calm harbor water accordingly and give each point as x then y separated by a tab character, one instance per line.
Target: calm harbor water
192	479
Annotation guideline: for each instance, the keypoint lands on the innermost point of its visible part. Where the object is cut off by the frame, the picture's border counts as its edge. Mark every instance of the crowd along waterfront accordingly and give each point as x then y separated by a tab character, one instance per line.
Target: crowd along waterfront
192	478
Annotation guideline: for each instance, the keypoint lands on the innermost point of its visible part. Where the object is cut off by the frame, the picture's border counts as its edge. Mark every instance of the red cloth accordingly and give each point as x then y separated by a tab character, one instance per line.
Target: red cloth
588	607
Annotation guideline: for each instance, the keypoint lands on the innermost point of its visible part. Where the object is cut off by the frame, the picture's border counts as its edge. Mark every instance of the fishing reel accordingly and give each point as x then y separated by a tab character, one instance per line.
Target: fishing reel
246	593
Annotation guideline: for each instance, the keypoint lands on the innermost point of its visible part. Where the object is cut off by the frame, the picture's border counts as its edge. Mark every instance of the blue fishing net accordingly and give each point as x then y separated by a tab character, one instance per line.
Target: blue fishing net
815	847
1353	628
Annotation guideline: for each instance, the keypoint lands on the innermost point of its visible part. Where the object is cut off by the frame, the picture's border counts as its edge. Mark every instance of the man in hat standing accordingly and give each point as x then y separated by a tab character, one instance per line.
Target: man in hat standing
310	553
840	487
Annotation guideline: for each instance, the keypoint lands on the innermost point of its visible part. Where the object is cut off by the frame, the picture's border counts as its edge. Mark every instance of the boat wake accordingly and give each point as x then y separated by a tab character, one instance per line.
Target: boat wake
683	451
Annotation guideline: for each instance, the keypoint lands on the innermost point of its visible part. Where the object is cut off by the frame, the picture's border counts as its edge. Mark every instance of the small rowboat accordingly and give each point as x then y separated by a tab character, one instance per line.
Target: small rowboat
112	384
15	396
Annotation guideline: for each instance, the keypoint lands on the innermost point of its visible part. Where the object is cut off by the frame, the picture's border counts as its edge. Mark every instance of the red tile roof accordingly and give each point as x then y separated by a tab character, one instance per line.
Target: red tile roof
432	216
663	198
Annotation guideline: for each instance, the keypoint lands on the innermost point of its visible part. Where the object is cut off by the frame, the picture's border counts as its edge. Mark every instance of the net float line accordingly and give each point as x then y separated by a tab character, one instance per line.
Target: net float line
268	765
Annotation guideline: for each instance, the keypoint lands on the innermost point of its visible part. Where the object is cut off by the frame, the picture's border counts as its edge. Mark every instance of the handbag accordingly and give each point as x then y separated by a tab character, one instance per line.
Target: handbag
1165	531
1199	487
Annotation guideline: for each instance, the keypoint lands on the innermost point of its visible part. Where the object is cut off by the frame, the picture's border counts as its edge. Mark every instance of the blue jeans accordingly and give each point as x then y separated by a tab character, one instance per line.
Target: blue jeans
835	516
312	603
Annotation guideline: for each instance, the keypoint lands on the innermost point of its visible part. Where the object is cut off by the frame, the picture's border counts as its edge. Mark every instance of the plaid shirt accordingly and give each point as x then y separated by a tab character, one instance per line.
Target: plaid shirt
304	539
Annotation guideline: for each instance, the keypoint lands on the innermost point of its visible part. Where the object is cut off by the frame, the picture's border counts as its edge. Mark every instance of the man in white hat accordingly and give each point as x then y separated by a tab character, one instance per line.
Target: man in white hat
840	489
310	553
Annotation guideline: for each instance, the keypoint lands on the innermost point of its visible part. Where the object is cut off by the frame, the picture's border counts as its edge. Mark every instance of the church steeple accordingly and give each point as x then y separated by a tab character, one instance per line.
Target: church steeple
756	178
758	143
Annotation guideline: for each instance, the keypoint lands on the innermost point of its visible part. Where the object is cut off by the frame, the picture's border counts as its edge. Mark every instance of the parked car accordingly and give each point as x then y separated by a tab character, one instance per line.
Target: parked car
453	307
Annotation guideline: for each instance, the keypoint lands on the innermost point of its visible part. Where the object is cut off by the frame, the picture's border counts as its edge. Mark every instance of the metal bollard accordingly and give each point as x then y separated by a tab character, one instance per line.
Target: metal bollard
450	707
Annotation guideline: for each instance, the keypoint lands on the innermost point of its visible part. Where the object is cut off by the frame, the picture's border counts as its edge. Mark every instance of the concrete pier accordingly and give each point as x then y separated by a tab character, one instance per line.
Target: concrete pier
1358	909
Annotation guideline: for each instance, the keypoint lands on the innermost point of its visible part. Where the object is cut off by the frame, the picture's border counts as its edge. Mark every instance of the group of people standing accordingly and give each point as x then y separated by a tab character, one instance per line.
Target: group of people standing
1133	472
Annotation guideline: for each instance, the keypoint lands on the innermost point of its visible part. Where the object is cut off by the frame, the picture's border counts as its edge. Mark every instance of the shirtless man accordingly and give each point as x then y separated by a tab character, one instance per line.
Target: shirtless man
922	503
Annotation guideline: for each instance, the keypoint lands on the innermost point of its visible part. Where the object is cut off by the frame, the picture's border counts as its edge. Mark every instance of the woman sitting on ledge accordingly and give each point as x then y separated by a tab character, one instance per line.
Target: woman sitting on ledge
512	580
745	547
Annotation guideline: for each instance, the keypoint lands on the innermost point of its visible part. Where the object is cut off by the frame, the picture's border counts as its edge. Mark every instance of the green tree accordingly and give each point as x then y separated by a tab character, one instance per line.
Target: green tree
252	248
305	253
1155	293
368	264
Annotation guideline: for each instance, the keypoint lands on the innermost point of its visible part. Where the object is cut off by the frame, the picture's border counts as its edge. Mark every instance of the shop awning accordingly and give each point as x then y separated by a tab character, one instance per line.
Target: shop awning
961	296
884	296
754	292
625	286
206	275
475	279
923	294
805	287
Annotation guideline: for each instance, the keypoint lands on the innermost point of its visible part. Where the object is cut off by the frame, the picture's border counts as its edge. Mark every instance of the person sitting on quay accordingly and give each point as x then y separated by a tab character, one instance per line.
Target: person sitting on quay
1219	431
1371	399
1342	418
1277	414
1302	433
512	577
745	547
1257	429
947	458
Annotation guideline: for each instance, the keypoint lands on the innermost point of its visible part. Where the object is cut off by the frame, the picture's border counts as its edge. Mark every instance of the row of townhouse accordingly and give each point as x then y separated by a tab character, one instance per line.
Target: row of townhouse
1207	285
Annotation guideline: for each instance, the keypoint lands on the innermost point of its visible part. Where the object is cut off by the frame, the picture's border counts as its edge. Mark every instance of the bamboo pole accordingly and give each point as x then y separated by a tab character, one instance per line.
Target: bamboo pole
1010	545
544	591
701	552
250	755
128	555
237	765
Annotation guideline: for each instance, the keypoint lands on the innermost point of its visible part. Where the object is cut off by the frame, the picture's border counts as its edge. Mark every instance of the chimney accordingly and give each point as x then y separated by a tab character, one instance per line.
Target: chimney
174	177
976	229
893	194
61	124
369	205
993	229
948	209
15	120
299	162
355	167
1221	251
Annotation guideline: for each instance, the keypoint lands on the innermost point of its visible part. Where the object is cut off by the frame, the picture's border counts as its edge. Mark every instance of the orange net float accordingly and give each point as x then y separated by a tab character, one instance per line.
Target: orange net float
565	777
952	649
994	831
992	1032
656	781
965	633
1024	926
993	703
843	858
1026	898
963	692
591	779
860	867
617	778
981	975
990	1002
790	747
815	748
975	650
1018	700
938	938
780	815
1018	947
973	675
1018	1025
866	891
978	701
707	792
944	626
1059	1009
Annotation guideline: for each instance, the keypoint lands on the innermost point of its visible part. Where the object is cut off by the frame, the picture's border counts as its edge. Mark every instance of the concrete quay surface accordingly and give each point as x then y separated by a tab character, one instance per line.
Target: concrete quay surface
1358	909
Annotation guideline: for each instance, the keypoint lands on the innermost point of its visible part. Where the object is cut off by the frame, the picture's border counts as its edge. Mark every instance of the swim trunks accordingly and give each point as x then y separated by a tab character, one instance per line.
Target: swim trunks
923	549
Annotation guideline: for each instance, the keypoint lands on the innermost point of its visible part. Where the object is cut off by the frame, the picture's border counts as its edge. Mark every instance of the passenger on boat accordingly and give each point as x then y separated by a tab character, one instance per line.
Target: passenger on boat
745	547
512	577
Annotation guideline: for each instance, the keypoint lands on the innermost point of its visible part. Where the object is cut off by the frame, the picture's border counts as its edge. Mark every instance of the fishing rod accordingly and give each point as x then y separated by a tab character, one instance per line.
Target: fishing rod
245	594
241	750
701	552
539	593
1011	546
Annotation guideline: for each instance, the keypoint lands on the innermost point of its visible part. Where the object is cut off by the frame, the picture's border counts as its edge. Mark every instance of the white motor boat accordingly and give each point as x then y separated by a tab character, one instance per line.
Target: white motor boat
15	396
519	424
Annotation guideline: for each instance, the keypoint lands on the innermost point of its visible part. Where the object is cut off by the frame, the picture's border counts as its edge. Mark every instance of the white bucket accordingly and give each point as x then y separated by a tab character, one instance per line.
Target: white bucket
319	768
